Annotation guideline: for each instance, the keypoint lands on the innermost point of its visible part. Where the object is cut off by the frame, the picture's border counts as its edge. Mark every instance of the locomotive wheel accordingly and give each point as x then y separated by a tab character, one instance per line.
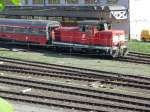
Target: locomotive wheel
84	51
125	52
115	53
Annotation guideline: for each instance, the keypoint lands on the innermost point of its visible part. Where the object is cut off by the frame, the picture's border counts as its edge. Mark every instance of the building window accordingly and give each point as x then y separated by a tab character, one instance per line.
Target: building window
37	1
112	1
89	1
53	1
26	2
71	1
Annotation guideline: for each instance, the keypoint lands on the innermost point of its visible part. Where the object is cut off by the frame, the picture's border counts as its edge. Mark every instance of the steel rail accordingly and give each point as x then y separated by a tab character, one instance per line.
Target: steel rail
78	91
104	105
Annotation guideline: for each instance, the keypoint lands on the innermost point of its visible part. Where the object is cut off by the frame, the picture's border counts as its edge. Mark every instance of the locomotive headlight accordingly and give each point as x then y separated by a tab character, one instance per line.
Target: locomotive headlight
118	38
115	38
122	37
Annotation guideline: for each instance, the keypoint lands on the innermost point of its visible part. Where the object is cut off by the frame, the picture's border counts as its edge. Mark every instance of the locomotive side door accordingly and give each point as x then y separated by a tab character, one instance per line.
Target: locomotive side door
87	34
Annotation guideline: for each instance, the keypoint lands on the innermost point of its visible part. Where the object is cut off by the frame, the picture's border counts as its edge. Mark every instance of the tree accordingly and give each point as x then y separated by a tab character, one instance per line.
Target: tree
2	3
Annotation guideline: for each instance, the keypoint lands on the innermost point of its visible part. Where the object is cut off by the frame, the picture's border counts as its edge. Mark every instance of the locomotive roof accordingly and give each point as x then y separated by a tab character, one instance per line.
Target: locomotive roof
91	22
29	22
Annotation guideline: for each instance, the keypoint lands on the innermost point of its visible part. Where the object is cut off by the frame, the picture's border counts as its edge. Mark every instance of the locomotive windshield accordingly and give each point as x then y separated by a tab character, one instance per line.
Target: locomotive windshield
100	25
103	26
85	28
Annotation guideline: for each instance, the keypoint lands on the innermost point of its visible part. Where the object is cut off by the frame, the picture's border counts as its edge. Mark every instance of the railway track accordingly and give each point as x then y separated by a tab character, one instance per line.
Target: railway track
139	54
62	67
136	58
103	79
90	99
75	73
81	98
132	57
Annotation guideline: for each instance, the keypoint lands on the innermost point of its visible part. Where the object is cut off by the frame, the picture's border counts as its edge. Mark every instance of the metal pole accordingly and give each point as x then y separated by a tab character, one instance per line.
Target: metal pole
44	2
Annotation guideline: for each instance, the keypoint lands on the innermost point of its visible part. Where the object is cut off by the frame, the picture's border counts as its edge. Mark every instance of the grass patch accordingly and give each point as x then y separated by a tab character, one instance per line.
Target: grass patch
137	46
77	61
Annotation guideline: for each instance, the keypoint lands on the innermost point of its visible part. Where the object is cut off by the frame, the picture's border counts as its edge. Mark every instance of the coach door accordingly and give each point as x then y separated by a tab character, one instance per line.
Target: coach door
50	35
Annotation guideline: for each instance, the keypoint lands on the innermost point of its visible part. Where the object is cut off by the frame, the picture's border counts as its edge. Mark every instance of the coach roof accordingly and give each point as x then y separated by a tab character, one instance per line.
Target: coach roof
28	22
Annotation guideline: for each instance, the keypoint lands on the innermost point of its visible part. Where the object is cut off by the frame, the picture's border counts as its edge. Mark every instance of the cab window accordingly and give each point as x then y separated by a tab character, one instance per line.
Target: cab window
103	26
85	28
100	27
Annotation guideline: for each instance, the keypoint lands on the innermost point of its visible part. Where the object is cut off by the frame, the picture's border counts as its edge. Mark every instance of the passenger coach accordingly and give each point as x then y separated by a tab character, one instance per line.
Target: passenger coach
23	31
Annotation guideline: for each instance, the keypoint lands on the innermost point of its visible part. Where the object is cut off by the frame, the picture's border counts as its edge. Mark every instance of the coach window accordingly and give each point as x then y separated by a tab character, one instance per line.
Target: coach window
42	31
1	28
34	31
9	29
20	30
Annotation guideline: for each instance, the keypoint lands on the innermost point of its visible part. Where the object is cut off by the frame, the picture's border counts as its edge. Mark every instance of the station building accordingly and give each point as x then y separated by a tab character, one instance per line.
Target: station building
115	11
63	2
138	17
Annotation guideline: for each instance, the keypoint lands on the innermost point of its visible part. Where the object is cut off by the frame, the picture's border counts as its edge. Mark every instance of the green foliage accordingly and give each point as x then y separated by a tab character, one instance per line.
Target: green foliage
15	2
137	46
5	106
2	3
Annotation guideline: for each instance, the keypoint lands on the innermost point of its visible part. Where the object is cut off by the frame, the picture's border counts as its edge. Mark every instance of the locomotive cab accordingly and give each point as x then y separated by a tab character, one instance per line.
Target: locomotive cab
93	36
100	25
93	26
103	26
104	37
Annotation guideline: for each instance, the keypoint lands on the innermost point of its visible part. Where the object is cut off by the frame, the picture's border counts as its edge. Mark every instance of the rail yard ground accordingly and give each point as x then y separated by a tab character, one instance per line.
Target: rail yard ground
85	61
115	94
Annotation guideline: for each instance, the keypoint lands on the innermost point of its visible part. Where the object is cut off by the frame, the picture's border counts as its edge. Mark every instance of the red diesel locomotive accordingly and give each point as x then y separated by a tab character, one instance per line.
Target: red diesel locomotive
89	35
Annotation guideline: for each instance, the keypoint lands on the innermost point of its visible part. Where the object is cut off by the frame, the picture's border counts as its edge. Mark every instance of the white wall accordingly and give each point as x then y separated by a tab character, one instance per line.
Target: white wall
139	17
122	25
